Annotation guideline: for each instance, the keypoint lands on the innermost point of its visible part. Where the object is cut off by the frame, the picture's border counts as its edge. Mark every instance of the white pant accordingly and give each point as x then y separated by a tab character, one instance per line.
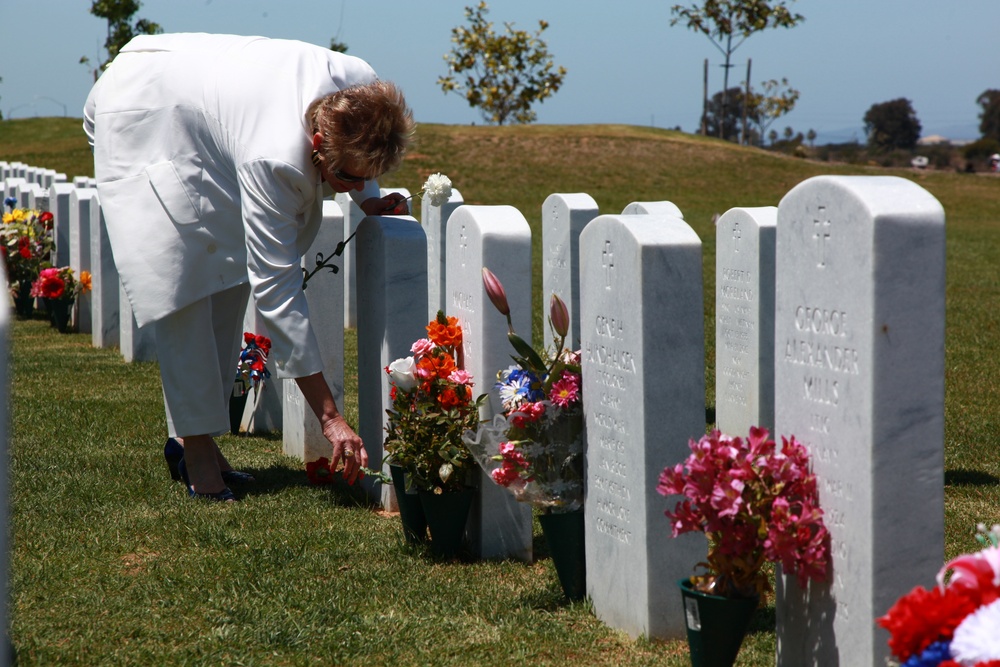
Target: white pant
198	348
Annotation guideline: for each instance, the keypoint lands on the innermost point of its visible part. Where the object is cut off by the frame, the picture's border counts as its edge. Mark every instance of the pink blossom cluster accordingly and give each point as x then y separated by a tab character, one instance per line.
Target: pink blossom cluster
512	466
755	501
566	390
527	413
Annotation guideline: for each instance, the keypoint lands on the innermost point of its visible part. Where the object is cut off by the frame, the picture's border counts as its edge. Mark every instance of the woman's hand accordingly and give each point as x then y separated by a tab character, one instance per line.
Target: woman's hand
392	204
347	447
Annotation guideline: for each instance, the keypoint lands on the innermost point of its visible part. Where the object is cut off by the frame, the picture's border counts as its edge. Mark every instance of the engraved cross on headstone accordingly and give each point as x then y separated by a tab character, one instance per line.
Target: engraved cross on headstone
822	225
736	236
607	261
463	246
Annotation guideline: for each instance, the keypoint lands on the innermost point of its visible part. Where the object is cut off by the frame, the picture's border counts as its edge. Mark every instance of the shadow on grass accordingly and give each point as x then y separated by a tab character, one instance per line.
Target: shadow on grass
962	477
276	478
764	620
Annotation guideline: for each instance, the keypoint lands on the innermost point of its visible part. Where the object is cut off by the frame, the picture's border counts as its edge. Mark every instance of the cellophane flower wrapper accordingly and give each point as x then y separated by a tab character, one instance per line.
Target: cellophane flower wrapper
541	464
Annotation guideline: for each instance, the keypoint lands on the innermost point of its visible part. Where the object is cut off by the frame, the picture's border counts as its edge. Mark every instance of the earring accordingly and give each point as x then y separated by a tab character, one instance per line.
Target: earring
316	158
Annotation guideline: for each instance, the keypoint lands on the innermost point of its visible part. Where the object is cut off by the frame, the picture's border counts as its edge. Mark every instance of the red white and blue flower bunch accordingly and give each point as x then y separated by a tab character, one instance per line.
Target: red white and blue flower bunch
534	448
957	622
251	369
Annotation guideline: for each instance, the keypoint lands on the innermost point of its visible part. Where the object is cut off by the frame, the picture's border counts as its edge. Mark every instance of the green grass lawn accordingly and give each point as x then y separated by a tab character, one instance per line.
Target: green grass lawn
113	564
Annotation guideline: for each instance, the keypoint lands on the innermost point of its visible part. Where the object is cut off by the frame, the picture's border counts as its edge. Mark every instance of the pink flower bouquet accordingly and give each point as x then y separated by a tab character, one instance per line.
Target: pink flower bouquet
756	502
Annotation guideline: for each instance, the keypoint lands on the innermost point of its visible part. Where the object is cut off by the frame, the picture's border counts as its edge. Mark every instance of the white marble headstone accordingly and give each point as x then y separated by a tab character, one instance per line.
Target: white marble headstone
744	319
106	286
79	249
499	238
643	357
435	223
59	204
303	437
136	344
392	275
859	379
563	218
653	208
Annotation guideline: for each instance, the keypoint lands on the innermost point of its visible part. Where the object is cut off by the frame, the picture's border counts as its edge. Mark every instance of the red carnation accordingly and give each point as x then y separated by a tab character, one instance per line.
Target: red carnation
318	471
922	617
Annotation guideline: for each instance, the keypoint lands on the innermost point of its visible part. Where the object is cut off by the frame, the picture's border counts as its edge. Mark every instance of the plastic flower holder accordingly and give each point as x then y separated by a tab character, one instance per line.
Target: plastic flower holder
546	473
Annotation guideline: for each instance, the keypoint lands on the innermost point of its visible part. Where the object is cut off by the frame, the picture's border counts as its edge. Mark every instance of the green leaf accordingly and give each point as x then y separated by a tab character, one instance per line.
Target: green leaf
534	362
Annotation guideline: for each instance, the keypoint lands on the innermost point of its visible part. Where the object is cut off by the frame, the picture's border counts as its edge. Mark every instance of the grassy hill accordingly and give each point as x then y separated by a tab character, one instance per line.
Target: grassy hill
112	565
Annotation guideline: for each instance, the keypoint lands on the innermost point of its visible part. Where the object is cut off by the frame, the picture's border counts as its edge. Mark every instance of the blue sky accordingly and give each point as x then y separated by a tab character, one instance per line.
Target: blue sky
626	63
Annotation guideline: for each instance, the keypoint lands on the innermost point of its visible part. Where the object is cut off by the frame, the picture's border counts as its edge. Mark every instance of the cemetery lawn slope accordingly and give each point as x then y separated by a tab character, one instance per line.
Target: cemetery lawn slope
111	564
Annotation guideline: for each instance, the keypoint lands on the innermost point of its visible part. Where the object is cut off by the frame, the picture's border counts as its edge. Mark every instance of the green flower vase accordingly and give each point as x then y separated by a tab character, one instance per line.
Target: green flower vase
411	512
564	535
716	625
446	516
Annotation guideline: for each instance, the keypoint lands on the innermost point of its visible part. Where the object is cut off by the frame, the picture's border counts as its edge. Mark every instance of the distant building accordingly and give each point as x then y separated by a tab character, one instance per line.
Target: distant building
932	140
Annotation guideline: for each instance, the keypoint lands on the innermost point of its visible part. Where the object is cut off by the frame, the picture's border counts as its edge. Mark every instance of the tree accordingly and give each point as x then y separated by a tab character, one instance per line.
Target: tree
504	75
724	115
337	45
989	117
118	14
811	137
892	125
776	100
723	21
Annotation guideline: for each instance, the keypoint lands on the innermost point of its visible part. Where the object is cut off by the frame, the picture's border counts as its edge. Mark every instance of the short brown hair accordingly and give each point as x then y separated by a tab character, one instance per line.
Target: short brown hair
367	124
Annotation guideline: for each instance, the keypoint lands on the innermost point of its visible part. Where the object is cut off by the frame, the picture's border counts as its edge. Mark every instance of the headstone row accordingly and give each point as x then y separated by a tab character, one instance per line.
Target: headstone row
829	327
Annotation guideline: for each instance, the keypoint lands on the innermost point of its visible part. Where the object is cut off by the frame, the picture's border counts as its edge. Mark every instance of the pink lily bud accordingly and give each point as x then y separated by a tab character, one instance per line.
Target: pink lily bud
494	289
559	315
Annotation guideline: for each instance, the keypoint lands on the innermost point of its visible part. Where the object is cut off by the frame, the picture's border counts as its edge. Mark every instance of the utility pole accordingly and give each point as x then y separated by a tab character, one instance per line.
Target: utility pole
704	102
744	139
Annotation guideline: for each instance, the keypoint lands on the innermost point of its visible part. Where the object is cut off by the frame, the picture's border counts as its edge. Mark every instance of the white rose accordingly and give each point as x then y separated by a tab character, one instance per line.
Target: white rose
402	372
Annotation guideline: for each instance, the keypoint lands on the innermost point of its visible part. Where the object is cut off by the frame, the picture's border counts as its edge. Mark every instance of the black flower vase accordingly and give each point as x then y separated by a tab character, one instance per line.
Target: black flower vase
59	313
411	512
716	625
237	404
24	303
564	534
446	516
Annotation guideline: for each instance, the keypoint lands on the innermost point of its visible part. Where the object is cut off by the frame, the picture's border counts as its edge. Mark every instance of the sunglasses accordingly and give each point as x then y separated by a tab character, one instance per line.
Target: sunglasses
348	178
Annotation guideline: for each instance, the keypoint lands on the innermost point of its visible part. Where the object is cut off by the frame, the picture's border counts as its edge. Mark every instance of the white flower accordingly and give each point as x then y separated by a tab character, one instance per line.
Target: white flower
976	639
437	189
402	372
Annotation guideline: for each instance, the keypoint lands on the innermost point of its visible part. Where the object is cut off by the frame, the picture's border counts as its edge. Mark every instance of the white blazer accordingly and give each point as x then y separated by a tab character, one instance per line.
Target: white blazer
201	154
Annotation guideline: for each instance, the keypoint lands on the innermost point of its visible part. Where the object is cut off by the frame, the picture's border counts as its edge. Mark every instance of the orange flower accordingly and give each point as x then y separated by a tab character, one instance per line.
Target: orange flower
85	281
449	398
437	365
445	335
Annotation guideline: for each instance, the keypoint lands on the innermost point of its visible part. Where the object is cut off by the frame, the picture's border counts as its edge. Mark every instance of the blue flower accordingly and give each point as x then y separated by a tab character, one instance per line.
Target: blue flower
518	386
932	656
10	202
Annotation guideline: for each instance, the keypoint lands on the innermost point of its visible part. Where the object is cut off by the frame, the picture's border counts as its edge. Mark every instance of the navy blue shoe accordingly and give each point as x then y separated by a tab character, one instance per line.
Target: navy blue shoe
237	477
224	496
173	452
